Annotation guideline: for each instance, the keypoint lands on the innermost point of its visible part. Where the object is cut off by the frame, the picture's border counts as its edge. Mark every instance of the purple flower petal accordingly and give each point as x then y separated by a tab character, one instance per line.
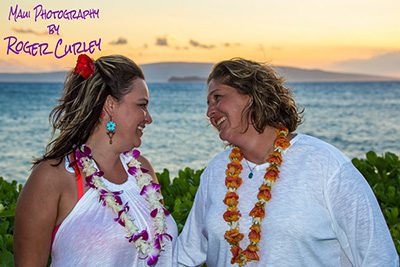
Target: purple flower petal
168	236
135	153
103	192
144	190
166	212
124	209
157	242
144	170
152	259
89	181
118	200
155	186
86	150
153	213
143	234
132	170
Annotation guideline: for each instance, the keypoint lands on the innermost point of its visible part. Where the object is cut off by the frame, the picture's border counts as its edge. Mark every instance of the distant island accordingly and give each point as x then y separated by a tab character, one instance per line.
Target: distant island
197	72
187	79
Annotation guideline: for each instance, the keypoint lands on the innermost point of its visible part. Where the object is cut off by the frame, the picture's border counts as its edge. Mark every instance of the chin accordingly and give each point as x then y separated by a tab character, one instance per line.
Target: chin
233	139
137	142
224	137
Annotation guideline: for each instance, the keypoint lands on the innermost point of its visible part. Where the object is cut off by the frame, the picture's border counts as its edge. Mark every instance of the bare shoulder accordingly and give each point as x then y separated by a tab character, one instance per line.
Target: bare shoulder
46	183
36	213
47	176
147	165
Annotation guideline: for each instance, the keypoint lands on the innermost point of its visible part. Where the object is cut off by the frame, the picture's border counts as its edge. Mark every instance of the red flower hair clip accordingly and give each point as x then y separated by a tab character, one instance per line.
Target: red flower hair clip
84	66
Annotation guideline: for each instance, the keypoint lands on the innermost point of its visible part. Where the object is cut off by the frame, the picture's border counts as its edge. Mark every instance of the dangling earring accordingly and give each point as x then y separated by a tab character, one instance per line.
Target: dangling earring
110	126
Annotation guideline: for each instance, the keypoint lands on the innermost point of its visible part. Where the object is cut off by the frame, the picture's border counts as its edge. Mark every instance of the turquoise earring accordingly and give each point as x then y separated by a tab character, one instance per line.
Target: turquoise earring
110	126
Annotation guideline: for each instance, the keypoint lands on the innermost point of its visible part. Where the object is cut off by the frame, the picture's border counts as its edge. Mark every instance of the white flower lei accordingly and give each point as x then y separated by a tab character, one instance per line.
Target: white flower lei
150	250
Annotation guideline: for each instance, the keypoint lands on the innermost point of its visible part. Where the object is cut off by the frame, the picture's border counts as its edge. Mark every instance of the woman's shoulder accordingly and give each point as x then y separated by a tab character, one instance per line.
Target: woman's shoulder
221	157
307	146
218	162
147	165
49	175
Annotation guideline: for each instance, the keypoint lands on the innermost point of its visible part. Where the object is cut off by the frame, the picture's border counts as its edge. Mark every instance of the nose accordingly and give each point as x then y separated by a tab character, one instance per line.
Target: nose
210	110
148	119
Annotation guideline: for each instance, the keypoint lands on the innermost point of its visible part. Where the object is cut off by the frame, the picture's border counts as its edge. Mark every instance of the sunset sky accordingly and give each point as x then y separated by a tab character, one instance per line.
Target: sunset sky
343	35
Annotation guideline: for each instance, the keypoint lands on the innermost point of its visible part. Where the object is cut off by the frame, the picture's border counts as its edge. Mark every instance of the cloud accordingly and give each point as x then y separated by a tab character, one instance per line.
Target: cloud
181	48
383	64
28	31
231	44
119	41
197	44
10	66
162	41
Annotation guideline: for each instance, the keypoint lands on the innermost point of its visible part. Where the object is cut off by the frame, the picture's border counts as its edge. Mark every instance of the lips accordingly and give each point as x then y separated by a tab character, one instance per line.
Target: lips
141	128
218	122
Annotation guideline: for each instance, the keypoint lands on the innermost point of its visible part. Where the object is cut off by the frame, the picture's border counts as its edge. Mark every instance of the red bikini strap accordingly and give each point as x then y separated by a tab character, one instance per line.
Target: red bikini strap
79	182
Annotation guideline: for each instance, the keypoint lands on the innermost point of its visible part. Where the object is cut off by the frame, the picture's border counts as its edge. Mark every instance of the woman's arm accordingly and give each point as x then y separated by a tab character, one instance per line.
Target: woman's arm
35	217
192	243
358	220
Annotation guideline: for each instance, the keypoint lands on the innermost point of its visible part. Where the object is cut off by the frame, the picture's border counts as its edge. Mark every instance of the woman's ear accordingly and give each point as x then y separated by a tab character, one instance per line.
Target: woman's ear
109	106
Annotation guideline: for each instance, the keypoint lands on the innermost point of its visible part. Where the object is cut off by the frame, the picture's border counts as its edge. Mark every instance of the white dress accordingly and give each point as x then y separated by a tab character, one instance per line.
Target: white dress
322	213
89	236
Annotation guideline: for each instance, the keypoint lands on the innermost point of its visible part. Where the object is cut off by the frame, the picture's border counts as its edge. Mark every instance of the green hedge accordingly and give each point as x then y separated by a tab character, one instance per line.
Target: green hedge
381	172
9	192
383	175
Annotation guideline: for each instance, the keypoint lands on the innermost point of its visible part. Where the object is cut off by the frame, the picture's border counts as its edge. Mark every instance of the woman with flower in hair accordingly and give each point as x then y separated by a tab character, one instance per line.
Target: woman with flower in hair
92	199
277	197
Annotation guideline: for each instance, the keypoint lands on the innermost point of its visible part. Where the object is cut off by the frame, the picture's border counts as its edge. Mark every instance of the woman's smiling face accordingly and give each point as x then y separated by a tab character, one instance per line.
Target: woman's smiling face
131	114
225	111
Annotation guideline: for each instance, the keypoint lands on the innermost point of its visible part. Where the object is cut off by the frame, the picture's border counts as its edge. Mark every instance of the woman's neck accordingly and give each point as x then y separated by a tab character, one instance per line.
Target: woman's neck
104	153
255	146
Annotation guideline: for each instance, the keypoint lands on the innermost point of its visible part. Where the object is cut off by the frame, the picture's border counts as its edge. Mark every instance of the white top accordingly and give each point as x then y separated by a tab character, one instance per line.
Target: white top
322	213
89	236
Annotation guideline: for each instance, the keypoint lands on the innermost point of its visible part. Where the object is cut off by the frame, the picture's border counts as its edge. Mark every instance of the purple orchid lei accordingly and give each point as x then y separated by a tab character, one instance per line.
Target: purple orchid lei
149	250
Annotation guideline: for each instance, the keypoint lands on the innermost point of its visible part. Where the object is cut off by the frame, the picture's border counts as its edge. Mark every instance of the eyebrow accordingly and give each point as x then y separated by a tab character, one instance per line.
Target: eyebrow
212	92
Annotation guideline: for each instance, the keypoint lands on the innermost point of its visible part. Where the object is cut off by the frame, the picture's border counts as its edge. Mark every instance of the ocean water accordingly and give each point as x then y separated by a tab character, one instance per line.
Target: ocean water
355	117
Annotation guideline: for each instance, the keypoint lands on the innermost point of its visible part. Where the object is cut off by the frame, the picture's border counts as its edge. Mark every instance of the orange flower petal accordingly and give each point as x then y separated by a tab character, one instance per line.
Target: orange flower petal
233	236
250	255
257	212
264	194
231	216
254	236
256	227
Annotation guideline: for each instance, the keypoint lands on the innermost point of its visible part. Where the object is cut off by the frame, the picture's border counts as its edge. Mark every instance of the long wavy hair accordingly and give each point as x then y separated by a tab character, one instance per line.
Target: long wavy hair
79	110
271	104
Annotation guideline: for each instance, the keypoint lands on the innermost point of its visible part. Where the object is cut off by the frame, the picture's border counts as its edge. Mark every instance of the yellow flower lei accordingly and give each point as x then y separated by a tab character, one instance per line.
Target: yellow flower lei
232	215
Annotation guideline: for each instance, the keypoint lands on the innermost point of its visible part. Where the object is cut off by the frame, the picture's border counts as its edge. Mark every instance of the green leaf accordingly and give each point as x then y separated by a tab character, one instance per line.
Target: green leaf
371	157
6	259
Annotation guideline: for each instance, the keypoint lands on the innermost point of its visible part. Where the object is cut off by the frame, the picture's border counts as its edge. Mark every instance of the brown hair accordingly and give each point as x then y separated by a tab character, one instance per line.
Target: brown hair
79	109
271	104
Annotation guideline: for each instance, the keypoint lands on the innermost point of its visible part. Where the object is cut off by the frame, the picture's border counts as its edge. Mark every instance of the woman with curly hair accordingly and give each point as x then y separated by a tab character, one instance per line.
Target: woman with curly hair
276	197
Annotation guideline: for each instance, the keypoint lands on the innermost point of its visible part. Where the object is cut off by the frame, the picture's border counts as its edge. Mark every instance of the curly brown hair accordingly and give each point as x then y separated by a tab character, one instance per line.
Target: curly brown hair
271	104
78	112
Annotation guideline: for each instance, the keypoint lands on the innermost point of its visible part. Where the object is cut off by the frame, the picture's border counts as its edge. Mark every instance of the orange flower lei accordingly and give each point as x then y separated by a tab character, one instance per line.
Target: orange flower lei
232	215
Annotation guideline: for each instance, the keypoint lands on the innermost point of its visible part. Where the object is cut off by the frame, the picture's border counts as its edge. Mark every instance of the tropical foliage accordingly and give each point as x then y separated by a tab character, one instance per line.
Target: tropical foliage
381	172
383	175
